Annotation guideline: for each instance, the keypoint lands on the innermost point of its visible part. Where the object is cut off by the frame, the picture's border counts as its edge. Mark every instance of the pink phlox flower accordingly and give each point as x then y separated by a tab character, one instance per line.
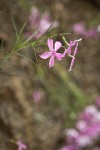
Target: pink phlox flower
91	109
84	141
72	63
21	146
97	117
81	125
43	26
75	51
47	18
72	135
41	22
88	115
37	96
93	131
79	28
90	34
52	52
68	51
34	18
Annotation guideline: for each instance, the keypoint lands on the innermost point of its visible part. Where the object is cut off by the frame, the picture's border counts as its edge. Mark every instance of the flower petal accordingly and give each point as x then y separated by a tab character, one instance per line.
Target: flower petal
72	63
75	51
57	45
69	50
51	62
64	53
45	55
50	44
59	56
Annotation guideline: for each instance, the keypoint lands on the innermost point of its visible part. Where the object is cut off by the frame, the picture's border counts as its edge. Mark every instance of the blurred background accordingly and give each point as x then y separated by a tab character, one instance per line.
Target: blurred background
38	104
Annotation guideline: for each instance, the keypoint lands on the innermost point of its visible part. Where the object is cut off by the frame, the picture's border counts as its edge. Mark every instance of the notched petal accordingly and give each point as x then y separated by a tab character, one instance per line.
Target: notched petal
72	63
50	44
51	62
57	45
45	55
59	56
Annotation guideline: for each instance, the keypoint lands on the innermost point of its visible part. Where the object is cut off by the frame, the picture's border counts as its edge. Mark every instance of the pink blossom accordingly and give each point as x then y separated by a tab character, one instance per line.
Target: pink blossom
34	18
97	117
40	21
52	52
72	135
89	114
84	141
81	125
43	26
37	96
75	51
72	63
68	51
90	34
21	146
88	131
91	109
93	131
78	28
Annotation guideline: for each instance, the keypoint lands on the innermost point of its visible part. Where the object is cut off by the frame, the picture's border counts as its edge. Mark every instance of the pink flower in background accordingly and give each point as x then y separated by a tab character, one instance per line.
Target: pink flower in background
84	141
21	146
40	21
52	52
81	125
72	135
34	18
90	34
89	114
93	131
43	27
86	135
91	109
79	28
37	96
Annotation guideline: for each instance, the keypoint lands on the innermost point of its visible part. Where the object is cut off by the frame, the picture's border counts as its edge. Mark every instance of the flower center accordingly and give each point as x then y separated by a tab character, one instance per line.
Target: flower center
53	53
